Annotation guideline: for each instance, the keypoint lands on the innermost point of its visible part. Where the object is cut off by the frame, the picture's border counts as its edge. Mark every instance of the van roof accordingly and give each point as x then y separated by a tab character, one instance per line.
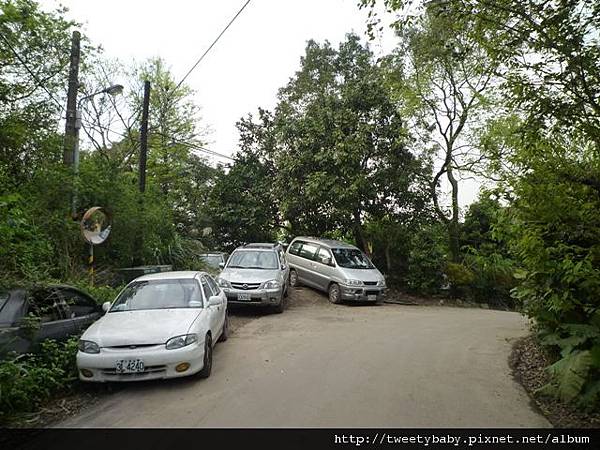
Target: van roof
330	243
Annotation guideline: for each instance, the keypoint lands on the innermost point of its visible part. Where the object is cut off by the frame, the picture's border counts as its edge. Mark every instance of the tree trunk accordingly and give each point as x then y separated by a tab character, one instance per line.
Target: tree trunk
388	257
359	236
453	225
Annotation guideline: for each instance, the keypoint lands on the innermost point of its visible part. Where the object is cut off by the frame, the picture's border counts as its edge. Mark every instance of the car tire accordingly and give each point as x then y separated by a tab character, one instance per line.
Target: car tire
294	281
335	294
225	333
207	367
278	309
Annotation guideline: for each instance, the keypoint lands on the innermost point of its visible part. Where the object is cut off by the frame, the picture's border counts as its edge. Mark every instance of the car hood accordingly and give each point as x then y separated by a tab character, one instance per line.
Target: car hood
362	274
143	327
249	275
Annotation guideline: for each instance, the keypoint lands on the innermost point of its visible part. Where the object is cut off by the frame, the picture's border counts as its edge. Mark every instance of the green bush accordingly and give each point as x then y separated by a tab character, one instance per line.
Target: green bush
27	381
554	228
492	279
427	260
459	275
24	248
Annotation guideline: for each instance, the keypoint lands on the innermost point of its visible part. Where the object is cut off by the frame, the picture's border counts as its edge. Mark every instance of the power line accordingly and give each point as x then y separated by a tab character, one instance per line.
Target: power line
37	80
212	45
194	146
174	141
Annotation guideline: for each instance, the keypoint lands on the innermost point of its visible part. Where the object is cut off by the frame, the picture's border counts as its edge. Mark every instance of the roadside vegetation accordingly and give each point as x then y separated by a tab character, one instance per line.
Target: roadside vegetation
372	150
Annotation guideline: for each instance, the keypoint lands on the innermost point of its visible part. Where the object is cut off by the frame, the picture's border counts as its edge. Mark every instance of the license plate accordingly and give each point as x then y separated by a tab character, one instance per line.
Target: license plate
371	297
129	366
244	297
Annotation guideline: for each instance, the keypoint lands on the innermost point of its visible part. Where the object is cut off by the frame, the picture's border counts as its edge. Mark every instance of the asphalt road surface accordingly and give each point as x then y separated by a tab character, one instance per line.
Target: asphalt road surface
323	365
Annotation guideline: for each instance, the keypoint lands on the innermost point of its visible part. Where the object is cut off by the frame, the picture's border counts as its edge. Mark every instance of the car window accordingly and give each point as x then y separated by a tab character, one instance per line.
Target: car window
212	260
324	256
159	294
282	257
295	248
48	305
206	288
213	285
3	299
253	259
12	307
79	304
352	258
308	251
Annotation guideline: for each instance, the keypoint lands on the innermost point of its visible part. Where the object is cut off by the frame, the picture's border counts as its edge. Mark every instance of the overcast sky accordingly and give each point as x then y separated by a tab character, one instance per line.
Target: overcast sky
254	58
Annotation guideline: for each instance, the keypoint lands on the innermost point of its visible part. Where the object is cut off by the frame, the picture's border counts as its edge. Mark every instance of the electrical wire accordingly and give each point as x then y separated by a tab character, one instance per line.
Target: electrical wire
174	141
211	45
24	64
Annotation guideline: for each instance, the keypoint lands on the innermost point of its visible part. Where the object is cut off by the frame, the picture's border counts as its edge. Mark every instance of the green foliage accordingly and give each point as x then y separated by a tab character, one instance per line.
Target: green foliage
485	253
459	275
241	204
27	381
427	260
23	247
337	146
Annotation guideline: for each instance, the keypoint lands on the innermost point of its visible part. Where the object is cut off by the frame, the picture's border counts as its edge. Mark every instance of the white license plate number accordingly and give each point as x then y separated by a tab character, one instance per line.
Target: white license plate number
371	297
244	297
129	366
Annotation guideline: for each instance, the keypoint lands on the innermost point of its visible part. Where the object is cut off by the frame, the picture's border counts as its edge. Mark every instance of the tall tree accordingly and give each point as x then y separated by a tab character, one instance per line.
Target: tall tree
444	80
32	68
340	145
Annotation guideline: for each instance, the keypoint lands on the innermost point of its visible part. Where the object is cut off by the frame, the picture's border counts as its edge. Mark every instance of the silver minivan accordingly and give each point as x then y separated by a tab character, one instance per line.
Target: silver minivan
335	267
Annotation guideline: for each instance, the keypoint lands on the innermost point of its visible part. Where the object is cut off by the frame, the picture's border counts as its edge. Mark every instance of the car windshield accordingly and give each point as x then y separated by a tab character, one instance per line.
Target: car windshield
4	312
159	294
253	259
352	258
212	260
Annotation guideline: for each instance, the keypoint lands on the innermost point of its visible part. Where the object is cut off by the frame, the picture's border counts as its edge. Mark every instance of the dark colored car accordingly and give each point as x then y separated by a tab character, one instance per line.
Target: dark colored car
62	311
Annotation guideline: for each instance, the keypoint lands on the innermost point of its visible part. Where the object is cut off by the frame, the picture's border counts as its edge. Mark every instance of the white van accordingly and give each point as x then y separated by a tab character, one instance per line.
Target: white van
335	267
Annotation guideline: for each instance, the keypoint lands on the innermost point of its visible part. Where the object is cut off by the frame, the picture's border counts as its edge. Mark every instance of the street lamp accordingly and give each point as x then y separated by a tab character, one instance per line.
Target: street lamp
113	90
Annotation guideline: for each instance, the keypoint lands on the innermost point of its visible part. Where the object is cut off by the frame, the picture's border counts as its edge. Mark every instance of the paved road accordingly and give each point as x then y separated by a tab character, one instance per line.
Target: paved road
320	365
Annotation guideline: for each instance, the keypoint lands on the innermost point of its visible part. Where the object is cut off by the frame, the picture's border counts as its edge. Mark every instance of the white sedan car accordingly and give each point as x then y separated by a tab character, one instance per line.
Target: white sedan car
160	326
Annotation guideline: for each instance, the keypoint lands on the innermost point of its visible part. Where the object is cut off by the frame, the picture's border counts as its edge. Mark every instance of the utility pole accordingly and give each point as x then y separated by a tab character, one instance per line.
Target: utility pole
144	137
139	244
71	131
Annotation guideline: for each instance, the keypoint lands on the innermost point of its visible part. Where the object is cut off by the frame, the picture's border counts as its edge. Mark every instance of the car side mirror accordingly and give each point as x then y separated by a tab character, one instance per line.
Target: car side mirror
105	306
215	300
283	267
327	261
221	265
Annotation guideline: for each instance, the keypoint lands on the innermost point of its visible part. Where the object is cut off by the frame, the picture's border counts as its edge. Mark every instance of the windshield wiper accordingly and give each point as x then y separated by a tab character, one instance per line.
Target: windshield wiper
235	267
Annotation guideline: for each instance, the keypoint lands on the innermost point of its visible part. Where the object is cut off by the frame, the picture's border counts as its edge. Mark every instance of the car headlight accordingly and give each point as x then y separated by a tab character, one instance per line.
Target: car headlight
272	284
381	283
354	282
88	346
181	341
223	283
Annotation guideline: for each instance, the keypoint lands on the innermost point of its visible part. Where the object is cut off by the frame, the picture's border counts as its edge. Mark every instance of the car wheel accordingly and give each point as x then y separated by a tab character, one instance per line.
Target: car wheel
225	332
294	282
278	309
335	295
206	369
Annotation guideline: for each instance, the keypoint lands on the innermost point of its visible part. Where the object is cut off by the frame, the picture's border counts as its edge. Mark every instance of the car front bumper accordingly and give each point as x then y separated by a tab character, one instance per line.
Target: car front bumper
158	362
363	293
257	296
